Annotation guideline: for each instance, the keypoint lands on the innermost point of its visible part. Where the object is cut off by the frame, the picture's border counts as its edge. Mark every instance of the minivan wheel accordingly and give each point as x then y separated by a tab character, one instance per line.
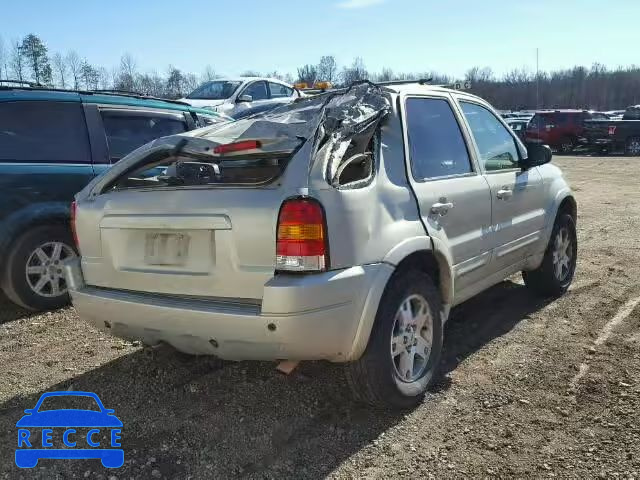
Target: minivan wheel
33	275
567	145
404	348
555	274
633	147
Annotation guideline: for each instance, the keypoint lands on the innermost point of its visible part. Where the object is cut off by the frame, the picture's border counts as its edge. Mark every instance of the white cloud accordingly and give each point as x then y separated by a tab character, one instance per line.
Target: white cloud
352	4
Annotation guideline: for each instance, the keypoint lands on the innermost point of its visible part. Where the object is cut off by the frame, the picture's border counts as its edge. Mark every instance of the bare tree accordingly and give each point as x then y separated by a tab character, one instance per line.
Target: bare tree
250	73
355	73
308	74
103	78
60	69
208	74
3	61
127	76
175	83
75	65
17	61
327	68
190	83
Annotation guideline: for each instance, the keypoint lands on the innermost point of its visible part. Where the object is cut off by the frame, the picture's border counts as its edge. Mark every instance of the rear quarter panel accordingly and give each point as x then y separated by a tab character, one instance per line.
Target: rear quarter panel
365	224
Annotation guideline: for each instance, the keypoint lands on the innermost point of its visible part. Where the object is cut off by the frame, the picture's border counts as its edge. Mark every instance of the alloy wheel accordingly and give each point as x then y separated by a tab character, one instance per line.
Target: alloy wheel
412	338
44	269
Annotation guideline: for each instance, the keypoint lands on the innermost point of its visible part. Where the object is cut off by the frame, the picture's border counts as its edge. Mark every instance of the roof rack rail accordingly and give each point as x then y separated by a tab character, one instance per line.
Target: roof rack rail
421	81
21	82
116	91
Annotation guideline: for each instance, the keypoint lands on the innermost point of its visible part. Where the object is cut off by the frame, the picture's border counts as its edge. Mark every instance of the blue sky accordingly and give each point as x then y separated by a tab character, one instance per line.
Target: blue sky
267	35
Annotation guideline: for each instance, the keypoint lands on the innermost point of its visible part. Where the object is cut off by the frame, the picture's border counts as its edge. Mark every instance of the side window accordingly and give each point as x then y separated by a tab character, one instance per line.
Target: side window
43	132
127	130
436	144
496	145
258	90
279	91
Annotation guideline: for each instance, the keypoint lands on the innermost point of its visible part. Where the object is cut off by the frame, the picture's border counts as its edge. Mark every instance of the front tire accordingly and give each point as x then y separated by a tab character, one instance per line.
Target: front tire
33	276
403	353
632	148
555	274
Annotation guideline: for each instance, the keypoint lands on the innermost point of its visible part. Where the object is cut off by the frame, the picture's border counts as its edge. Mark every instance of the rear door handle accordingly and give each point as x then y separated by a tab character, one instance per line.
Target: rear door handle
441	209
504	193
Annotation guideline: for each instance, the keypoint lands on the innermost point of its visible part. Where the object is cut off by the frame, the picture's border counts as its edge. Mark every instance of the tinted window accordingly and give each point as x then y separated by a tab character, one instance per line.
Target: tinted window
216	90
258	90
128	130
496	145
435	141
43	132
279	91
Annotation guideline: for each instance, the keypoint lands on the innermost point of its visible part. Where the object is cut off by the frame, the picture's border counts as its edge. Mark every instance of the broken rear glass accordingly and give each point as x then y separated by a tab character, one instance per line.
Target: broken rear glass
256	150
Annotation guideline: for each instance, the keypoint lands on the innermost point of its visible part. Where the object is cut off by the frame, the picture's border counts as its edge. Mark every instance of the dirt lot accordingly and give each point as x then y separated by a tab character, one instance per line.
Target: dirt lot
530	388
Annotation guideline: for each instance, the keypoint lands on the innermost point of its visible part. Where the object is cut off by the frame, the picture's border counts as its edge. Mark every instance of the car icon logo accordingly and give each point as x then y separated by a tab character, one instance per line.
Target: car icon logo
69	433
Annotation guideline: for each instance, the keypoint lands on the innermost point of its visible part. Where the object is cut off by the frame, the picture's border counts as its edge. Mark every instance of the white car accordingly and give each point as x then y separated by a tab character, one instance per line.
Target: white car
233	95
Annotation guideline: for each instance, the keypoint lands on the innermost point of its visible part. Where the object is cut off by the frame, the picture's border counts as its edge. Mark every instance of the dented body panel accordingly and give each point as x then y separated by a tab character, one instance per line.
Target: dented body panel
191	261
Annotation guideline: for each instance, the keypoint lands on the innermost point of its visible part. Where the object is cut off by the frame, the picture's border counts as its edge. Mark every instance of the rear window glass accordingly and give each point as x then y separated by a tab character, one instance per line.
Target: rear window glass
128	130
187	170
43	132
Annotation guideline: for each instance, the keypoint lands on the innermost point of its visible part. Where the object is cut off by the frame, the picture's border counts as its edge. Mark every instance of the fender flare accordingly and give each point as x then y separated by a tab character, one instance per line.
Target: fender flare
393	258
440	253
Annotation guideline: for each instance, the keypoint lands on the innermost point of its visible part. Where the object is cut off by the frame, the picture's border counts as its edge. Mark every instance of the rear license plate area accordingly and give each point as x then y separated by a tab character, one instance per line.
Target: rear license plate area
171	249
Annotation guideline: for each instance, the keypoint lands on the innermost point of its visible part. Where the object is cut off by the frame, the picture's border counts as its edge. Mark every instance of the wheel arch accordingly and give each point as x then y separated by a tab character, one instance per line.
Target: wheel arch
34	215
419	253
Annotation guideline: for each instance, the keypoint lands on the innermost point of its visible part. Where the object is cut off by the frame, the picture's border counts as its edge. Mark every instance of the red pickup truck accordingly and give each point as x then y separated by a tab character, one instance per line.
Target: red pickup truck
560	129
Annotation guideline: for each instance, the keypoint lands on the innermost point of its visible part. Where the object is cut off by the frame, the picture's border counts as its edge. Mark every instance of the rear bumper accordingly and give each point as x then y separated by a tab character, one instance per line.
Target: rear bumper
322	316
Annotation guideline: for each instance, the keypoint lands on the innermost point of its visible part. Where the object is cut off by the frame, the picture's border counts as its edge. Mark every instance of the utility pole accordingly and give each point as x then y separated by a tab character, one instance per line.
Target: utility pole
537	79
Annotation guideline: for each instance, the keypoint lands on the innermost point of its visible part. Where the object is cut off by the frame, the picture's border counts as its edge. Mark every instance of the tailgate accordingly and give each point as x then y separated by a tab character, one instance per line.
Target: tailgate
198	242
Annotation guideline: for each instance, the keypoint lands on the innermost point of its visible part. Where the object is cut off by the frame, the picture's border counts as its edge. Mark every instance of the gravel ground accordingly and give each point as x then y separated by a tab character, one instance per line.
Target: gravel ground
529	388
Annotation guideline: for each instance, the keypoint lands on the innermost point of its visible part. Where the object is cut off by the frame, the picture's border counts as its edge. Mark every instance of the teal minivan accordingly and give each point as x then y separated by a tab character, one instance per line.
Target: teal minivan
52	143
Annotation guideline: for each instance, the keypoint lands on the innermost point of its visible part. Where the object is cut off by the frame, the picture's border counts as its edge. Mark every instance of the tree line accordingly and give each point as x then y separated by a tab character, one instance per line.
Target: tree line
595	87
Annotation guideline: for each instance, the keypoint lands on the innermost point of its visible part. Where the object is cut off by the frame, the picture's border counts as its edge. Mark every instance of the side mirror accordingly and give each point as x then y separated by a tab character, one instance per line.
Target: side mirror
536	155
245	98
29	411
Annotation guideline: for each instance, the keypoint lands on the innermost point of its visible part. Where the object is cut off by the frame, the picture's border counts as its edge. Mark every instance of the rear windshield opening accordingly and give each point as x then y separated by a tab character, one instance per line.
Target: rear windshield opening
185	171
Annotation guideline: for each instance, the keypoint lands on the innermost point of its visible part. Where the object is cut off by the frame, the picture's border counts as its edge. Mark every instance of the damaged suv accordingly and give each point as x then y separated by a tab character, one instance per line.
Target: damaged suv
342	227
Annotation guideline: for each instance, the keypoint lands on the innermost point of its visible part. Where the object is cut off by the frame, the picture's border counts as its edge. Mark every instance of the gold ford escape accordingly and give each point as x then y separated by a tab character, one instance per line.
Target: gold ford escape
341	227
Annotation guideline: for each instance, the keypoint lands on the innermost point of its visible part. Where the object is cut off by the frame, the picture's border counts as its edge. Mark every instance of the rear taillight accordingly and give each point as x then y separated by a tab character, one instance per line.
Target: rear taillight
73	223
612	129
301	244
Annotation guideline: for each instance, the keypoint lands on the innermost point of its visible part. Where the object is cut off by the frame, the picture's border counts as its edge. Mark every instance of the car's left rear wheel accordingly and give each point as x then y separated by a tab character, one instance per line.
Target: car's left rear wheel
401	359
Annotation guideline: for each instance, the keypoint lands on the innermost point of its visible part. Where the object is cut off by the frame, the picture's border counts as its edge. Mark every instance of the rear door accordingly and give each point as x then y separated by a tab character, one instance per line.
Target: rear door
517	196
259	92
123	129
453	196
280	93
44	154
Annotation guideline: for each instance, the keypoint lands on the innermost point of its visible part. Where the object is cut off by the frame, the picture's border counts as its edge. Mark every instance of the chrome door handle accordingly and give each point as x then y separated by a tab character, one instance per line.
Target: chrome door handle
504	193
441	208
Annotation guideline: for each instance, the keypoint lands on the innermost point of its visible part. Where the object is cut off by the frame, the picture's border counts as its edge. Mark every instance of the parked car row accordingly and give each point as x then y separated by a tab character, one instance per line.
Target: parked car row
564	130
610	135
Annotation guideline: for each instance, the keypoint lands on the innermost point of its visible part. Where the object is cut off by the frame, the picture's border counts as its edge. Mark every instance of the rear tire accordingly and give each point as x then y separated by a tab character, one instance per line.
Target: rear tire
554	276
32	276
632	147
402	357
567	145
